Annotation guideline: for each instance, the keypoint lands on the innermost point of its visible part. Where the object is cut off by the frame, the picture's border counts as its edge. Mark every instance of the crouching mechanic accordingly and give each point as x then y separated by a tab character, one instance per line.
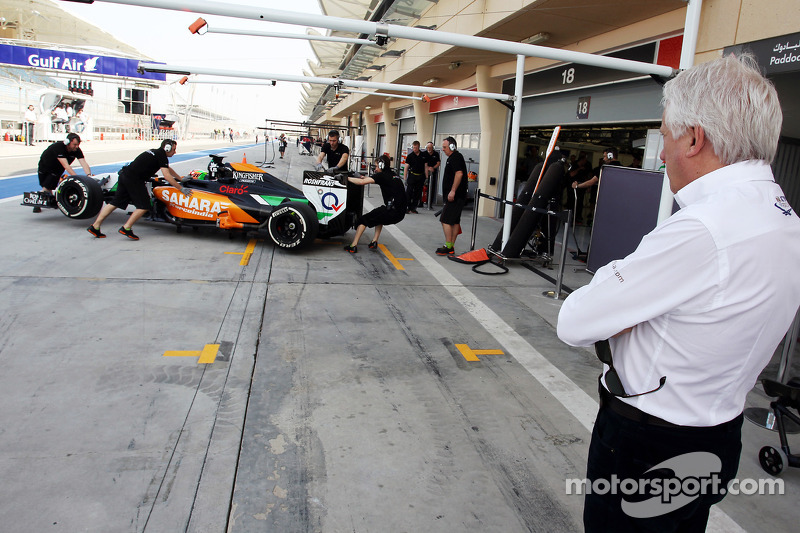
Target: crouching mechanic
56	160
394	200
132	188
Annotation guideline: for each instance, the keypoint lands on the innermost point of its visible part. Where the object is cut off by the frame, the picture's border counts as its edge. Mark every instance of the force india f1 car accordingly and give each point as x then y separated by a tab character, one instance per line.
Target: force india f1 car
234	197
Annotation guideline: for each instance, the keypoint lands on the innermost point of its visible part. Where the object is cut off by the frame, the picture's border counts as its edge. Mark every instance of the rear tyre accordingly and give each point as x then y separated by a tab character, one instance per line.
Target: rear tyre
293	225
79	197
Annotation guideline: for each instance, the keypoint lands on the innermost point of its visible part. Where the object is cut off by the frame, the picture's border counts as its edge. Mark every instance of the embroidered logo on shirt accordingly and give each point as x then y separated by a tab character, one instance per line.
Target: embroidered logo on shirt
783	205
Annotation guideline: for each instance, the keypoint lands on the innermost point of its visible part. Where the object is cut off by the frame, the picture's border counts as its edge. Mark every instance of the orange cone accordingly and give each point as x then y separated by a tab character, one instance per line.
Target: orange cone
244	159
474	256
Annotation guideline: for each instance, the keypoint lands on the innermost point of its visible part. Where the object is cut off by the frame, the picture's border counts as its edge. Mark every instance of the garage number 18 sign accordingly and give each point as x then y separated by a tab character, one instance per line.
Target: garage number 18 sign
583	107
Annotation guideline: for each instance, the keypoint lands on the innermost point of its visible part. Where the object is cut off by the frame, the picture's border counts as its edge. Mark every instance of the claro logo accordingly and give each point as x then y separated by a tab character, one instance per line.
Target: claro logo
225	189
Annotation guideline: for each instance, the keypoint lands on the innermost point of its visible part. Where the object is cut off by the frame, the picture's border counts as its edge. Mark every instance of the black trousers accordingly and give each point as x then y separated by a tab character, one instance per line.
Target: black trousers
414	189
29	133
627	450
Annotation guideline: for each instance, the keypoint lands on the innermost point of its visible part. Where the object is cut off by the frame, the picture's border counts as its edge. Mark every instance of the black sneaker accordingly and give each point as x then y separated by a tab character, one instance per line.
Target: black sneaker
37	209
373	245
128	233
351	249
444	250
96	232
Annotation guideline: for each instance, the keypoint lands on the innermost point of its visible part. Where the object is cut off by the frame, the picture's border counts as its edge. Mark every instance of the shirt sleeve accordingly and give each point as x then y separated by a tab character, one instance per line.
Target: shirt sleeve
674	269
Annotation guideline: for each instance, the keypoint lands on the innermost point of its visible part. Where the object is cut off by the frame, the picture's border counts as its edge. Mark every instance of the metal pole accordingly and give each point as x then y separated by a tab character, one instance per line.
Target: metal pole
186	70
787	354
557	294
382	94
303	36
691	27
514	148
474	218
402	32
229	82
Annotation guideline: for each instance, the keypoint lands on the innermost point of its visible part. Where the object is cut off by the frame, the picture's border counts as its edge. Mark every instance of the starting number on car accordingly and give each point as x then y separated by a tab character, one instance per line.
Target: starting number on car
583	107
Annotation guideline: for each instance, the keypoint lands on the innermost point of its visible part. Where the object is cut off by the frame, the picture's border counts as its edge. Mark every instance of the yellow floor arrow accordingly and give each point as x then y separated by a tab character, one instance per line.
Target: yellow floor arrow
248	252
472	355
207	355
395	260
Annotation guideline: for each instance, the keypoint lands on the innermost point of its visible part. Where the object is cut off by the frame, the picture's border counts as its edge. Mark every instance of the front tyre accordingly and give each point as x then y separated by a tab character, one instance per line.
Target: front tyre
79	197
293	225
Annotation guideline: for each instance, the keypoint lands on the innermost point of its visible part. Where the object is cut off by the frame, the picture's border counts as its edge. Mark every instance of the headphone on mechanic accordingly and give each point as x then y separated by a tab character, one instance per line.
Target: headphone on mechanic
452	142
381	164
167	147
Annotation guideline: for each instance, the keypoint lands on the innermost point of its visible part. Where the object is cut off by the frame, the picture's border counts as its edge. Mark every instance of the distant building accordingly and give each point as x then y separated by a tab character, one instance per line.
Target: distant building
86	71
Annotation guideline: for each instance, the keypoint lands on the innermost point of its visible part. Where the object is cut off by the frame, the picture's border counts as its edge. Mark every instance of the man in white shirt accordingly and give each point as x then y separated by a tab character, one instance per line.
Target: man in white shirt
696	311
60	117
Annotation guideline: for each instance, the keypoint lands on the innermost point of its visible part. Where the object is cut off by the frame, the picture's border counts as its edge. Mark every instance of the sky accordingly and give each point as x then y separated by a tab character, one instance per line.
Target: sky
163	35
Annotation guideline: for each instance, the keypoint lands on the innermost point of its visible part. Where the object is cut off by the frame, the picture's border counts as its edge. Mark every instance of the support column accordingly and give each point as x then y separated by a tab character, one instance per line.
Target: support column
424	121
493	120
371	134
391	132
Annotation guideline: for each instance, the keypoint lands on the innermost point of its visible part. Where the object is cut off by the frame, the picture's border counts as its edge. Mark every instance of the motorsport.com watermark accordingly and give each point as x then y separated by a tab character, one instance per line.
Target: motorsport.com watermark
694	474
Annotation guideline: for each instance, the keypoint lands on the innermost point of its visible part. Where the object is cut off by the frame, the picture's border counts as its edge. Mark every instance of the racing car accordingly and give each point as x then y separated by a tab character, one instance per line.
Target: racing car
236	197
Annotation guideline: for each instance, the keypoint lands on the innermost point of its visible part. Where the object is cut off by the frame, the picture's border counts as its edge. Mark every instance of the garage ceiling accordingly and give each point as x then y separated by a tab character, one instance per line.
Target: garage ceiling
566	22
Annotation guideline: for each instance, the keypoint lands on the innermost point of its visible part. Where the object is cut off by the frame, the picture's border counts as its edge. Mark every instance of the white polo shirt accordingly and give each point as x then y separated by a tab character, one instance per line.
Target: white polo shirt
709	293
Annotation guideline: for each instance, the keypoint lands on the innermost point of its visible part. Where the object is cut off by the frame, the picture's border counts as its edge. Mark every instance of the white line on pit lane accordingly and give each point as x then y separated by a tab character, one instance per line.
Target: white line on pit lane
579	404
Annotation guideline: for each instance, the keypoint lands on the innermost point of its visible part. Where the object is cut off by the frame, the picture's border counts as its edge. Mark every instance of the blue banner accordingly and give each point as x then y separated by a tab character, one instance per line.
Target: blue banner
74	63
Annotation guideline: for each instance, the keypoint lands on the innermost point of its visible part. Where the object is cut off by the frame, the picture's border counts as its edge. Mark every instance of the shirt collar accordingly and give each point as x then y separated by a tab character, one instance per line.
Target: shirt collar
743	171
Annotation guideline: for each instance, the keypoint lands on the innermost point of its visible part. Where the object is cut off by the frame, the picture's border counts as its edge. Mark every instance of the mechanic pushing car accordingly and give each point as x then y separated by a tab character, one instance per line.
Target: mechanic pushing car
337	153
56	160
132	188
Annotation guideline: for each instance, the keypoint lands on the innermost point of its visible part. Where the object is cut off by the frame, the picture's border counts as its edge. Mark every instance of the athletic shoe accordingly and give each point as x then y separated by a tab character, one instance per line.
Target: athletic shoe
37	209
96	232
351	249
444	250
128	233
373	245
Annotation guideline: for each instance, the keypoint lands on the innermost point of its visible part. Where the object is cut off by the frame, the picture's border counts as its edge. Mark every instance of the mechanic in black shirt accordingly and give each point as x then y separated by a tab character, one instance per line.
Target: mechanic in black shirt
57	159
394	200
132	188
454	190
414	176
337	153
432	164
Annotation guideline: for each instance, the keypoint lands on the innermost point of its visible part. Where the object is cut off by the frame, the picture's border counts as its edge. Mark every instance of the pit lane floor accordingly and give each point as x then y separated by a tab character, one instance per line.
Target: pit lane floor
338	399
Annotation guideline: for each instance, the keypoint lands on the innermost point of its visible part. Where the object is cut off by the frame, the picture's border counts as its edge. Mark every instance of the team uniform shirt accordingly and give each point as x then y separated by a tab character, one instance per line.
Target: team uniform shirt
431	159
334	156
416	163
455	162
131	187
709	293
392	190
394	199
147	164
49	162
